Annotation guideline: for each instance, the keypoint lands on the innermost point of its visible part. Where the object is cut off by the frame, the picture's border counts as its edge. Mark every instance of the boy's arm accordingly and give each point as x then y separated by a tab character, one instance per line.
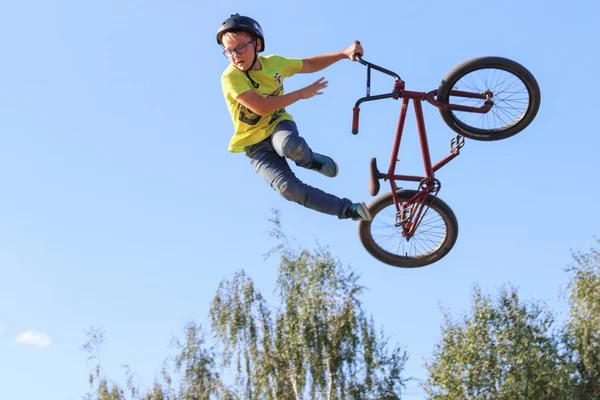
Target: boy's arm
317	63
265	106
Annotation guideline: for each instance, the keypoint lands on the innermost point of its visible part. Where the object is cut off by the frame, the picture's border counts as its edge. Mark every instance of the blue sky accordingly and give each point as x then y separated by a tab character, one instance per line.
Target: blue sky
122	209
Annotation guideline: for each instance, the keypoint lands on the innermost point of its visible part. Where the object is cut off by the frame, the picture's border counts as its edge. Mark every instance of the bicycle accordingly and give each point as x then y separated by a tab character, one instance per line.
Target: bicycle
422	229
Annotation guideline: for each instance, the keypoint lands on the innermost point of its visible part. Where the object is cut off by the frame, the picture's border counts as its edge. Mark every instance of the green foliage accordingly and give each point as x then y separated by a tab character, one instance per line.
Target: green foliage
193	364
582	333
318	343
102	388
196	362
504	349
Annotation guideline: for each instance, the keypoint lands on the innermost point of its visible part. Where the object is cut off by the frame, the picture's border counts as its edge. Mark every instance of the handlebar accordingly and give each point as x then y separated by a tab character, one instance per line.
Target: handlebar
359	58
398	88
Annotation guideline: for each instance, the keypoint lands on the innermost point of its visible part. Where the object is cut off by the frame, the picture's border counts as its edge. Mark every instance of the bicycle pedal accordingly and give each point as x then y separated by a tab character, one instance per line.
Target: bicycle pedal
457	142
402	216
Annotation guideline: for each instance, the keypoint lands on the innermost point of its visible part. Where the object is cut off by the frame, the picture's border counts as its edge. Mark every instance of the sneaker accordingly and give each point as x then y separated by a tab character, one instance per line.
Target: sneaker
359	212
324	165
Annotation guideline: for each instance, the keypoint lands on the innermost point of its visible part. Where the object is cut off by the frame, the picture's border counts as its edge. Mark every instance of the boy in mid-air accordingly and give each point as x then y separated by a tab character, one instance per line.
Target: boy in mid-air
264	130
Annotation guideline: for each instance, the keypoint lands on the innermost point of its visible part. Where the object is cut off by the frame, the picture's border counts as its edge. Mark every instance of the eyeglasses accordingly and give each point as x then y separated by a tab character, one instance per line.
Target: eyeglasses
241	49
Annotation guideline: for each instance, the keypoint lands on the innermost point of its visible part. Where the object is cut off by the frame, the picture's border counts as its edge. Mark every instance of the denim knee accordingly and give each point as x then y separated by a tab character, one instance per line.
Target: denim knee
293	192
295	148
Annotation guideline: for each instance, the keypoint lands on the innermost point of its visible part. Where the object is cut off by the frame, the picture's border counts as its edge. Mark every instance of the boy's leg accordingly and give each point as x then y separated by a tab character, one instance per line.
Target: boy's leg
288	143
274	170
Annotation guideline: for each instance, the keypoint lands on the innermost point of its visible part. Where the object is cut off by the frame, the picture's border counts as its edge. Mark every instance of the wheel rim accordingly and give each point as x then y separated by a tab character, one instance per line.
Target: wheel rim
510	96
428	238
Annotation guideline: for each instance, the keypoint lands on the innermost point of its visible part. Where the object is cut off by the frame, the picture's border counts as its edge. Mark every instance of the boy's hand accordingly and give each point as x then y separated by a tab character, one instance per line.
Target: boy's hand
354	50
314	89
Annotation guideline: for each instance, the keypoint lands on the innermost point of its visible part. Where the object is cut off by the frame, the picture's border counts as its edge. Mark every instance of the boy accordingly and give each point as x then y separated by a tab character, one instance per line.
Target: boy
264	130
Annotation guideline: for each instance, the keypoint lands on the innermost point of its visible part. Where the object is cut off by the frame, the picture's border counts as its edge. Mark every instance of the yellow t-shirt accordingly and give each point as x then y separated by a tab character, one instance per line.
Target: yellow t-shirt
249	127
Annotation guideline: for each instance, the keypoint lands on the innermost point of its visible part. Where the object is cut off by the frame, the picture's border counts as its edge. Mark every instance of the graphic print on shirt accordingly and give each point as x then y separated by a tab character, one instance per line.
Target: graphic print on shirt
248	116
251	118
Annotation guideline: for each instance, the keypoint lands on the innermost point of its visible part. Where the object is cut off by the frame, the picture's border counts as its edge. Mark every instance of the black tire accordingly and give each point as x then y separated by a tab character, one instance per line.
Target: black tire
500	66
449	229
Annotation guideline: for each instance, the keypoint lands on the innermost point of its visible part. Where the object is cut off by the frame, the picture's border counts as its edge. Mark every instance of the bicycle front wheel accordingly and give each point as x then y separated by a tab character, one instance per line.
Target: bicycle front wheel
434	238
510	86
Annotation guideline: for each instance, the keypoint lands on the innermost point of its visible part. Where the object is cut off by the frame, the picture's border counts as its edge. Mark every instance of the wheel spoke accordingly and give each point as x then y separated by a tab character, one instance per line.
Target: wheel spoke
510	97
429	242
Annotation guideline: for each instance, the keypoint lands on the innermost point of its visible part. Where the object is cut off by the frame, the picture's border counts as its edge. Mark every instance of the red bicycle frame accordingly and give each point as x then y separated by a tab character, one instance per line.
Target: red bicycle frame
410	212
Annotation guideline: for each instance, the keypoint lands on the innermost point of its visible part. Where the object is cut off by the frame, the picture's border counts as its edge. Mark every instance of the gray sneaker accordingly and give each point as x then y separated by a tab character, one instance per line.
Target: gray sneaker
359	212
324	165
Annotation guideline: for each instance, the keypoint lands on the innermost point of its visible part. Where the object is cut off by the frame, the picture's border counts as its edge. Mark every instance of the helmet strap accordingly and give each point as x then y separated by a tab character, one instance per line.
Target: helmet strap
255	84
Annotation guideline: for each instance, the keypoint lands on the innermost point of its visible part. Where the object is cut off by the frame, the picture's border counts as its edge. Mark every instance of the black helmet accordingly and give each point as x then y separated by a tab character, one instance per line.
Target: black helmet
239	22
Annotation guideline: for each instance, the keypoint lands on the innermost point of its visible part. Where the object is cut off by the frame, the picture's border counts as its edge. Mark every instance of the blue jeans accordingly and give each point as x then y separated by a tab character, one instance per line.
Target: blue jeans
269	161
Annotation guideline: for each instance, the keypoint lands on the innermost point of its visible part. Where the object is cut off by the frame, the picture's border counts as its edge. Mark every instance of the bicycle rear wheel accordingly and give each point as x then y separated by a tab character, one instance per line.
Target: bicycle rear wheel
514	92
434	238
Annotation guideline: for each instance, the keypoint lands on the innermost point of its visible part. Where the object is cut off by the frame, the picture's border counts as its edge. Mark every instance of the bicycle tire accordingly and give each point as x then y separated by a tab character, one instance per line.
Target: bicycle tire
365	230
483	63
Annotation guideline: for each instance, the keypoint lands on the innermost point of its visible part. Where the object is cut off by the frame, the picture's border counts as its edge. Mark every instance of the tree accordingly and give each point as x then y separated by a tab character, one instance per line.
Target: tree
502	350
101	388
318	344
582	332
194	365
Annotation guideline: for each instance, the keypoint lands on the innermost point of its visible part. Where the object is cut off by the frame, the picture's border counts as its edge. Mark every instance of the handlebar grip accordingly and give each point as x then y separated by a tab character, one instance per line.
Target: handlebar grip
356	56
356	111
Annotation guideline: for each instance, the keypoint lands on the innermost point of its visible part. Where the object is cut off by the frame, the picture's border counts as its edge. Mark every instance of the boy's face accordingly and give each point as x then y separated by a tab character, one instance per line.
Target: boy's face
240	49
